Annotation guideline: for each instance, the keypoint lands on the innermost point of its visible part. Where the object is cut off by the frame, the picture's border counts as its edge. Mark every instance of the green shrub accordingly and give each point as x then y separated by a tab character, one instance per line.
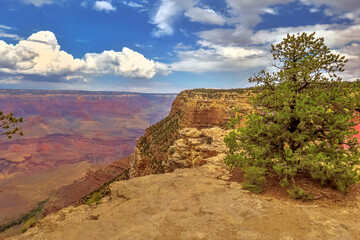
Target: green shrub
95	199
299	193
29	224
255	179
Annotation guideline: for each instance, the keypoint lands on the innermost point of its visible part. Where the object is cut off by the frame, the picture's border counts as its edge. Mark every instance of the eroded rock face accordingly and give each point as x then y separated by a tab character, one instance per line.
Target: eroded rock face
192	112
206	108
194	146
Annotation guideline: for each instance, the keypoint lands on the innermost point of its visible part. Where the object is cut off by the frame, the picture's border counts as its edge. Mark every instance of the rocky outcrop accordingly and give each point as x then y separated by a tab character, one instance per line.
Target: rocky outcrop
152	148
197	109
194	146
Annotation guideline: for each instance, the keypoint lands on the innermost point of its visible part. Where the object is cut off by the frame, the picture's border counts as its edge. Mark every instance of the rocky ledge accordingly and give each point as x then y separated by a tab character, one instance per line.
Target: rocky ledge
195	203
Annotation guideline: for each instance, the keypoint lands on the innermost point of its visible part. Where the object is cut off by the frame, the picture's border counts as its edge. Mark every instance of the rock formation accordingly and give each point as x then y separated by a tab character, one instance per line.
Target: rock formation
194	146
198	109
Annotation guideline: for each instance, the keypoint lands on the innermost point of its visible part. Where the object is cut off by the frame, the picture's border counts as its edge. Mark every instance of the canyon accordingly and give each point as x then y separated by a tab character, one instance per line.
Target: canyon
68	135
175	185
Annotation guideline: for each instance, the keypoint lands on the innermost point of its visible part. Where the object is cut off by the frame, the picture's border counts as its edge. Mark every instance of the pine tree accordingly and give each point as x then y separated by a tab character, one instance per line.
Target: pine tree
303	120
8	124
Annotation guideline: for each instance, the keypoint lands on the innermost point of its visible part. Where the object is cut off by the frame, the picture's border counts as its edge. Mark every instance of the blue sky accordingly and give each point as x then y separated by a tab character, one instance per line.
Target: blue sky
160	45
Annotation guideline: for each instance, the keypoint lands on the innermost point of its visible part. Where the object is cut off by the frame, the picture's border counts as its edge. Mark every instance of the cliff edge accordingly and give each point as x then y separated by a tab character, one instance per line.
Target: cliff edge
195	203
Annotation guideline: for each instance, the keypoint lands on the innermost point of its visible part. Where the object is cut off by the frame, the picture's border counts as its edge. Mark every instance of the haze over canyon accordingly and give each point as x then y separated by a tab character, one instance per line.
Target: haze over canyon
66	134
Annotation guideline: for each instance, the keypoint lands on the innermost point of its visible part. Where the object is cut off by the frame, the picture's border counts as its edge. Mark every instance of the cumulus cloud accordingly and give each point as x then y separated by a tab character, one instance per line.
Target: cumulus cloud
15	58
104	6
127	63
204	15
40	55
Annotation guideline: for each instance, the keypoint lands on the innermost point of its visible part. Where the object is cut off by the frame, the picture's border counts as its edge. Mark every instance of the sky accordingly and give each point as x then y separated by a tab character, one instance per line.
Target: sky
161	46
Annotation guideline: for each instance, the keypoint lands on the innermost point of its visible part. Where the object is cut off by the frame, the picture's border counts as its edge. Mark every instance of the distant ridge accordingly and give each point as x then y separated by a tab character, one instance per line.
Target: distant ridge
83	92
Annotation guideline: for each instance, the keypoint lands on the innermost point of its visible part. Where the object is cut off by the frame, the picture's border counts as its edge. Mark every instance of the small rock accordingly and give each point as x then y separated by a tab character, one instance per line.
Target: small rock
190	132
344	226
94	217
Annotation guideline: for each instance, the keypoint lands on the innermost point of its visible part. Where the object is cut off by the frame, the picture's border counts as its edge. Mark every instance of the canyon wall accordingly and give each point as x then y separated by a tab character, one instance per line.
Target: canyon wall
199	109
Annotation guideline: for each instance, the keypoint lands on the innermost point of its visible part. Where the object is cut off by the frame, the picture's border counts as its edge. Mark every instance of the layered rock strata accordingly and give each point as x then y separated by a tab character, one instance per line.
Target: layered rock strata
194	146
196	109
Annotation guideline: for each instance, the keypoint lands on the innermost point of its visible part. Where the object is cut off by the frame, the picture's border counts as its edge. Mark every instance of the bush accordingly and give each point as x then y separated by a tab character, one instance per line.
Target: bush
95	199
29	224
299	193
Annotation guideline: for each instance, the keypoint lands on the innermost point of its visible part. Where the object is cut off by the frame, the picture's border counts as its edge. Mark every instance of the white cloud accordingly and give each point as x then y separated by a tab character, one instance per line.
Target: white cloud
349	9
213	57
167	13
5	27
133	4
247	12
240	48
271	11
40	54
39	3
126	63
181	46
204	15
165	17
237	35
344	5
15	57
336	36
104	6
3	34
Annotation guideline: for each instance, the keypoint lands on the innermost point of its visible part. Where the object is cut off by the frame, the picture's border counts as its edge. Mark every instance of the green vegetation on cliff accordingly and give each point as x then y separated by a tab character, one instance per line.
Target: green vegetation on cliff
27	217
154	144
303	120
